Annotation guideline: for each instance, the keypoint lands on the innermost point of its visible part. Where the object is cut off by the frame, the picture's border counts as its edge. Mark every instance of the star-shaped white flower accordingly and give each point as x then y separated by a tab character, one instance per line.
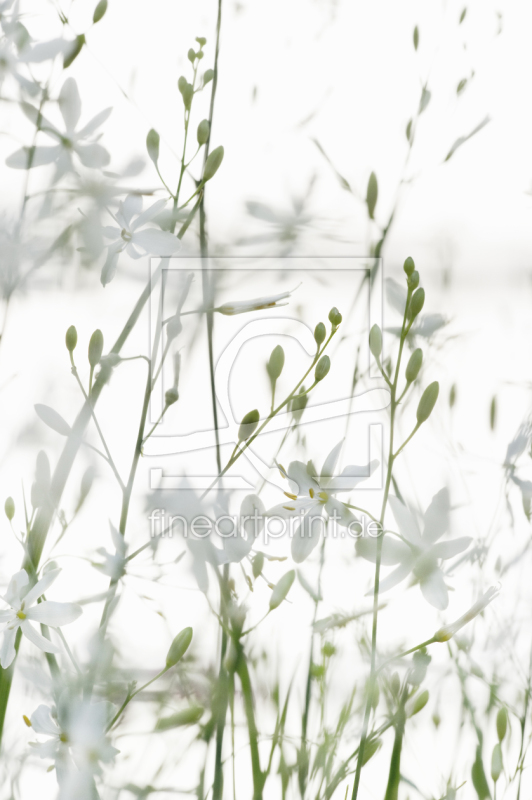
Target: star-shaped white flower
23	607
314	494
416	552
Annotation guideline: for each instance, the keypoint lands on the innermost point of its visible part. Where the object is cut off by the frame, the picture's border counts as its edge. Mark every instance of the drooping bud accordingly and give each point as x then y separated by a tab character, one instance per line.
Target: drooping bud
427	402
502	723
335	317
95	348
179	647
420	702
413	280
248	426
322	368
281	589
203	131
414	365
213	163
71	339
375	341
152	145
99	11
171	396
320	333
496	763
416	303
276	363
9	508
409	266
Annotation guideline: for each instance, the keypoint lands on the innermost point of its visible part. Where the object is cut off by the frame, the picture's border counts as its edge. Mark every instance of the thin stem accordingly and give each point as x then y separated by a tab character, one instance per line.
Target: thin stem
130	697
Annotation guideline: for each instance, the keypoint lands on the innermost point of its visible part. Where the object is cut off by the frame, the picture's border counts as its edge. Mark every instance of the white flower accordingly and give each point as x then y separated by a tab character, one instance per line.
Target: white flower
416	552
24	607
132	234
260	303
115	563
448	631
312	494
44	721
70	142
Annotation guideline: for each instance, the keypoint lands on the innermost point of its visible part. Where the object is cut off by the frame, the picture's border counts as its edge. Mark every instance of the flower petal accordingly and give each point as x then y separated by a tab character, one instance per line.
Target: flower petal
298	474
291	508
451	548
94	123
70	104
17	586
406	521
307	535
148	215
43	722
330	464
339	513
92	155
156	242
434	590
351	476
131	206
38	157
396	576
39	641
437	516
40	587
54	614
7	651
393	550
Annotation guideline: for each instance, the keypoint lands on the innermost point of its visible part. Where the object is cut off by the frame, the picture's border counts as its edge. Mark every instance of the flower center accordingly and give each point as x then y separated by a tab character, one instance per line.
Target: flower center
125	234
21	614
63	738
323	497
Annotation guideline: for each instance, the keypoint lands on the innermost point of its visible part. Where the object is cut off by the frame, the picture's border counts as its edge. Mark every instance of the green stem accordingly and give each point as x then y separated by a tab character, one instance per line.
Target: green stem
249	707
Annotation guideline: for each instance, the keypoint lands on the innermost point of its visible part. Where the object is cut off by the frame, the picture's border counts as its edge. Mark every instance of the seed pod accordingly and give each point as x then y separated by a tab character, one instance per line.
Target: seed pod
171	396
152	145
420	702
179	647
212	164
208	76
427	402
496	763
186	717
248	425
71	339
320	333
281	589
95	348
413	280
9	508
258	563
335	317
409	266
502	723
416	303
375	341
203	131
99	11
372	194
276	363
414	365
322	368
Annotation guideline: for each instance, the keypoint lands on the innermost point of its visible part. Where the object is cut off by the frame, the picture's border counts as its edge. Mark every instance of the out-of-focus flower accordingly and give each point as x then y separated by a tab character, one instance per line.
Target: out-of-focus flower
425	325
24	607
133	234
312	494
260	303
114	564
71	141
448	631
416	552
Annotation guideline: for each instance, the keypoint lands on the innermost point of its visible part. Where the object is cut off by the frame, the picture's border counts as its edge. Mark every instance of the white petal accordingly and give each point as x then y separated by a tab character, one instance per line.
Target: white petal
40	587
451	548
43	722
7	616
131	206
339	513
41	156
7	651
434	590
237	547
17	586
148	215
307	535
351	476
298	474
291	508
252	506
111	232
54	614
393	550
92	155
437	515
396	576
94	123
406	521
156	242
70	104
39	641
330	464
396	295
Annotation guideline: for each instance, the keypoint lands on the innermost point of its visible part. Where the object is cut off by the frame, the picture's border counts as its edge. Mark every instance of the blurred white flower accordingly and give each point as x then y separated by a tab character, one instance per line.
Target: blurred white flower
114	564
448	631
132	234
416	552
24	607
312	494
260	303
70	142
425	325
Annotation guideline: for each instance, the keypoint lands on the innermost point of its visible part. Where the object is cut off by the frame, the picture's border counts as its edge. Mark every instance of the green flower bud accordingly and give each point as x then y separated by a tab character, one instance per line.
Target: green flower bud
191	55
201	41
413	280
375	341
452	396
335	317
299	403
74	50
203	131
372	194
409	266
328	650
186	717
322	368
95	348
213	163
276	363
188	94
478	776
502	722
258	563
71	339
281	589
414	365
179	647
182	83
416	303
416	37
9	508
420	702
496	763
372	746
427	402
199	55
248	425
320	333
99	11
171	396
208	76
493	412
152	145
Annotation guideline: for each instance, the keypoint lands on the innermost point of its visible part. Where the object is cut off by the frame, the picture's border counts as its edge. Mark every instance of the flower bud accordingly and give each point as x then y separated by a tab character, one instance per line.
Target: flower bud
502	723
419	703
201	40
203	131
320	333
413	280
409	266
258	563
299	403
9	508
322	368
212	164
179	647
375	341
171	396
95	348
452	396
99	11
427	402
248	425
496	763
416	303
372	194
414	365
208	76
188	94
335	317
152	145
182	84
191	55
281	589
276	363
372	745
188	716
71	339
